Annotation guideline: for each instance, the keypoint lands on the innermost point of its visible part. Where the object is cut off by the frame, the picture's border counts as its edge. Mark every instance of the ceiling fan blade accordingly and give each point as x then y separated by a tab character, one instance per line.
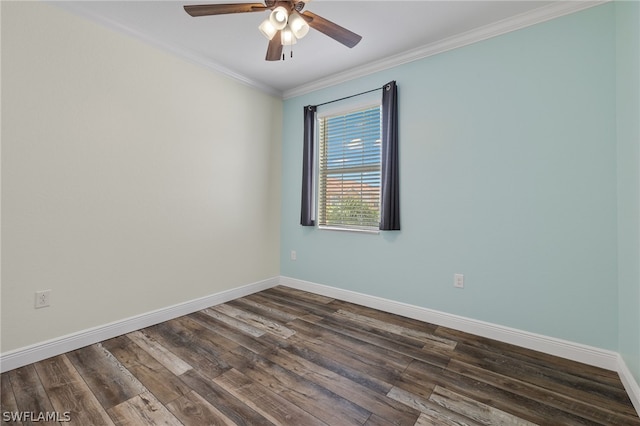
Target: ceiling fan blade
274	51
335	31
223	9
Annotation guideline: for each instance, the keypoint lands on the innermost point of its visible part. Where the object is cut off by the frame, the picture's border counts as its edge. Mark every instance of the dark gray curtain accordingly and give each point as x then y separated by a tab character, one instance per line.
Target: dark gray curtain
306	212
390	189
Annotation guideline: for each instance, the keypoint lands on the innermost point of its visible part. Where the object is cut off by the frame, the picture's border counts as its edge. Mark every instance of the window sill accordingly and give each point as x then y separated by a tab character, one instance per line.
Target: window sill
356	230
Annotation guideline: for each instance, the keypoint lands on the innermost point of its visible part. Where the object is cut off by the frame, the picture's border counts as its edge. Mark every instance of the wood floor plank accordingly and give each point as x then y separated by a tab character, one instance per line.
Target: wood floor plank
232	407
263	400
311	397
295	294
182	343
518	405
8	404
396	329
193	410
438	356
69	392
375	402
311	306
577	369
29	393
154	376
562	401
170	361
475	410
143	409
384	316
443	419
588	391
375	333
376	355
420	382
286	308
344	363
214	344
235	323
236	335
431	412
257	321
107	378
375	420
263	310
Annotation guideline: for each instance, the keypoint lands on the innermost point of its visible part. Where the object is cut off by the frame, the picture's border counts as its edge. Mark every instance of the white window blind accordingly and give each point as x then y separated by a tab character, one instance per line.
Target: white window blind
349	169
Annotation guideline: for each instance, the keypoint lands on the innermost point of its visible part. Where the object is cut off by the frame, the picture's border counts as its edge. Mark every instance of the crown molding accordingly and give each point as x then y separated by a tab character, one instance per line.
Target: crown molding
542	14
536	16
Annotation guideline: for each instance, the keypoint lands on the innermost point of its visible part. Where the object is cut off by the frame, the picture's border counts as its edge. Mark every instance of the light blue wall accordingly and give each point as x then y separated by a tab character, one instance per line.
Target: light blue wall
508	175
628	115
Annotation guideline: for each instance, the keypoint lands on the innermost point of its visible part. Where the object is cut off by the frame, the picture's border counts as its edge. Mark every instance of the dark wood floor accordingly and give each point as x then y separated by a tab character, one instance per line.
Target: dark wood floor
287	357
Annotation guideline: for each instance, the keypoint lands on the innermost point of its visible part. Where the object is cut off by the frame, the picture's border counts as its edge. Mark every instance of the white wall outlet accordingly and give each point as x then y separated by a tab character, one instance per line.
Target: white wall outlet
294	255
43	299
458	280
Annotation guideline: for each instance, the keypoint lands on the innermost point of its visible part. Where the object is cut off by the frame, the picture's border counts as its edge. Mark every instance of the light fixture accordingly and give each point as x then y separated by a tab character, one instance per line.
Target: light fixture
267	29
289	23
288	37
279	17
298	25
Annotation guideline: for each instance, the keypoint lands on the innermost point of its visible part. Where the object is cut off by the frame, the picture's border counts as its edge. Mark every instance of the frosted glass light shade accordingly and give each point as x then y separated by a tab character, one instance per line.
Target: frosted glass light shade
267	29
287	37
279	17
298	25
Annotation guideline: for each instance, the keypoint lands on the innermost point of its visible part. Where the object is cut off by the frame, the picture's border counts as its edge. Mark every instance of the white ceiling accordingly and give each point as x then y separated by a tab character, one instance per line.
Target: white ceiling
393	32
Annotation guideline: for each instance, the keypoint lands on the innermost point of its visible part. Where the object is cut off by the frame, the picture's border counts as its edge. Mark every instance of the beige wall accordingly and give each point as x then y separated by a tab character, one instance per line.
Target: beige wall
131	180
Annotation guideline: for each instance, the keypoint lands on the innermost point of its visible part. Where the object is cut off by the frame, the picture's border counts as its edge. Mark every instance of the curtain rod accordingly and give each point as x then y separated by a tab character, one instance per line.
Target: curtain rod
346	97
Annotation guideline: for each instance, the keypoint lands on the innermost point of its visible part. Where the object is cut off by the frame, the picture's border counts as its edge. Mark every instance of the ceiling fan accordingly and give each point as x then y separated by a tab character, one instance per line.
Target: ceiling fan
285	24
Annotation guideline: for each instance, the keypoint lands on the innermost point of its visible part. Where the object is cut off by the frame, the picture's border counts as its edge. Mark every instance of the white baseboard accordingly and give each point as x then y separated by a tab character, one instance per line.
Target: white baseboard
39	351
569	350
630	384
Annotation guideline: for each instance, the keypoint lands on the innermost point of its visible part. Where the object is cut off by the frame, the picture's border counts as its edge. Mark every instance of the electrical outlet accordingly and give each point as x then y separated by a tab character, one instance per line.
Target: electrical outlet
458	280
294	255
43	299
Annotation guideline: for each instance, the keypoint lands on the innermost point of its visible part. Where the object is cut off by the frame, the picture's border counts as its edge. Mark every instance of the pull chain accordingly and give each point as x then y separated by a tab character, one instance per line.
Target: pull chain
288	41
290	53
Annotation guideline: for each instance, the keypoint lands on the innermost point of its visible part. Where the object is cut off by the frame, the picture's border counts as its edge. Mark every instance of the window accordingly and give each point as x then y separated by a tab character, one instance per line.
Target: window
349	169
359	165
